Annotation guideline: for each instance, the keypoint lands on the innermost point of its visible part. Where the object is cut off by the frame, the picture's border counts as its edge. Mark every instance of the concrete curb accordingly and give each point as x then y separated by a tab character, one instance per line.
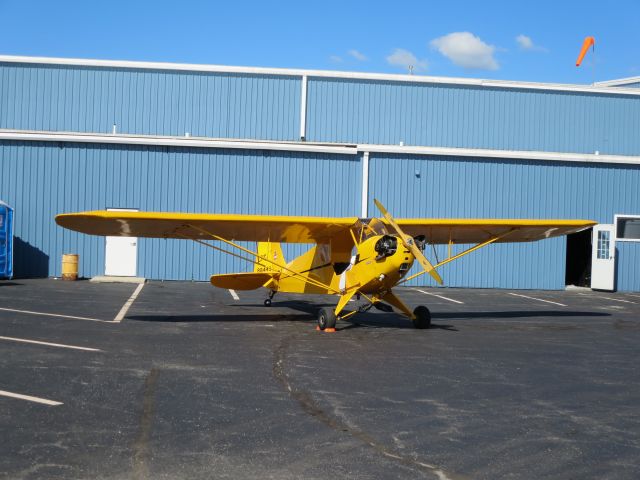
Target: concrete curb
114	279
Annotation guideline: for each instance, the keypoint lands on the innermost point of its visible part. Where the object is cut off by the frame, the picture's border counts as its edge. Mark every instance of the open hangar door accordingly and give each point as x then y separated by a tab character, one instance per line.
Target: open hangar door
578	264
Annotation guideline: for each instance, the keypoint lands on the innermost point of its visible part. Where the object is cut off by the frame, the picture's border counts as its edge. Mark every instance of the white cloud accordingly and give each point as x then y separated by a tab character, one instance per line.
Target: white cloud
357	55
404	59
525	43
335	59
466	50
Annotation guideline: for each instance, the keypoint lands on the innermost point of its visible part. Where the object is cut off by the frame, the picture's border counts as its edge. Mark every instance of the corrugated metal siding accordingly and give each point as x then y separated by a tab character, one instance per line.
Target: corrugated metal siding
43	179
85	99
378	112
628	266
91	99
477	188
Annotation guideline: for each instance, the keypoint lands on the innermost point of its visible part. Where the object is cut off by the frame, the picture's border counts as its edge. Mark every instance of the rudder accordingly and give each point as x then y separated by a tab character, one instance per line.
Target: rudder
270	251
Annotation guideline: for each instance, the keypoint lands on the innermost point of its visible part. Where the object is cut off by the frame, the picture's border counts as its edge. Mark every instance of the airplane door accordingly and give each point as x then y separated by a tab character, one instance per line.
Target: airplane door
603	258
121	255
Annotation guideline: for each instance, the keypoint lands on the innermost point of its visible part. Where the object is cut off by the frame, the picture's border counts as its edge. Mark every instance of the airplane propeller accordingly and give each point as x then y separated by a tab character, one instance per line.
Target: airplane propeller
410	244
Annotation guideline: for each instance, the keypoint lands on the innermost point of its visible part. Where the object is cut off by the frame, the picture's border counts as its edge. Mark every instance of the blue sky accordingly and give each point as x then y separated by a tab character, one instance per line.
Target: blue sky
455	38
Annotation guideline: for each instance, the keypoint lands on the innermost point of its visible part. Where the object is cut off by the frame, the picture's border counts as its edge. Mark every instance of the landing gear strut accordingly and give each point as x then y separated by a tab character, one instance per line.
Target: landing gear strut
267	302
423	317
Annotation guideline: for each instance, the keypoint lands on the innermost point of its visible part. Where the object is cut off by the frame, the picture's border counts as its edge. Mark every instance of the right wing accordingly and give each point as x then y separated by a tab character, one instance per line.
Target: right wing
257	228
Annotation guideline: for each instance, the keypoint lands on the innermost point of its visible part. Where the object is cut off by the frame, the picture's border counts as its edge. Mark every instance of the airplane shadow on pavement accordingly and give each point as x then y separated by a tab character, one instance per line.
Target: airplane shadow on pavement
308	311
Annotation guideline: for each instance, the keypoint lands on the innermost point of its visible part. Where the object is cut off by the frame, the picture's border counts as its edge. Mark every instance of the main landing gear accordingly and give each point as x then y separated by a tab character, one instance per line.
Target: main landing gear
422	317
267	302
327	317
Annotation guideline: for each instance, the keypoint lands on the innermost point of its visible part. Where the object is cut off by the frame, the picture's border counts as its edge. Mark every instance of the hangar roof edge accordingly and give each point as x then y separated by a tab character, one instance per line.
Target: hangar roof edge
618	82
596	88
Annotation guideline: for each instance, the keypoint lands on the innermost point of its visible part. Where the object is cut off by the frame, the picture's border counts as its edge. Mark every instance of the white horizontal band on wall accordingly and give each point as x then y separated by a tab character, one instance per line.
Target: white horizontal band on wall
166	141
507	84
502	154
202	142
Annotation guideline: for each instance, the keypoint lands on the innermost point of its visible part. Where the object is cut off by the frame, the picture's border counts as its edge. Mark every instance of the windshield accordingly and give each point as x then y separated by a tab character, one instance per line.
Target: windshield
374	227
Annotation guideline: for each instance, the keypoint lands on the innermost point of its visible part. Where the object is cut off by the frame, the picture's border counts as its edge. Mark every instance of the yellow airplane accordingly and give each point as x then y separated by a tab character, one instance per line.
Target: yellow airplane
352	256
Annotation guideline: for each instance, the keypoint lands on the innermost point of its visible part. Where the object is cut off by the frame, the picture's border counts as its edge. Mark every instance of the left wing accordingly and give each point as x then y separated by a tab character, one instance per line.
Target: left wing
471	231
257	228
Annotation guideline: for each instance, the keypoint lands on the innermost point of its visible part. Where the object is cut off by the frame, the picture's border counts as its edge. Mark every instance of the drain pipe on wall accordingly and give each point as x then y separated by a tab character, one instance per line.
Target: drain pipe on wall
303	109
365	185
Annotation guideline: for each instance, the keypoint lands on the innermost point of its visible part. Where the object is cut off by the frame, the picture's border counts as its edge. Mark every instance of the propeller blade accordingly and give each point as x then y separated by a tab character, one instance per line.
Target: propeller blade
409	243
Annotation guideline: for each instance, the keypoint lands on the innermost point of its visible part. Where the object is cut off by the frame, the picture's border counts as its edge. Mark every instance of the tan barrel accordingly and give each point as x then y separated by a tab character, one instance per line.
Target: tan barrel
70	266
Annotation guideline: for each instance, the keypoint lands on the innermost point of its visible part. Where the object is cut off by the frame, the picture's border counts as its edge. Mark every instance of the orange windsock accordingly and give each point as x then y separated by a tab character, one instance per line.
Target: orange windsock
588	42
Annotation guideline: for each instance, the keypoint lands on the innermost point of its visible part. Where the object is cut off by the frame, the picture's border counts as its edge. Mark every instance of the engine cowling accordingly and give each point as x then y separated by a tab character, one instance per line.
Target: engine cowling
386	246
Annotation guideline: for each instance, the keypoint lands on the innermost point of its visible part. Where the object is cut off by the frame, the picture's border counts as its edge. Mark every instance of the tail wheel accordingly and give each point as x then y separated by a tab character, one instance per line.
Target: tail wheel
423	317
326	318
267	302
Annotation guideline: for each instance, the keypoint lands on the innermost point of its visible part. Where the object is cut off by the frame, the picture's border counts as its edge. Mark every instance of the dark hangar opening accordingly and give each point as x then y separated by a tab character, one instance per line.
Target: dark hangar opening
578	271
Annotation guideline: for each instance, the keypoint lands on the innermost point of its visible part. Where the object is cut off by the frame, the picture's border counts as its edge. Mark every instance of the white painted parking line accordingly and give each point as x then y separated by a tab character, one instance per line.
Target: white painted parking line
234	294
607	298
615	299
440	296
538	299
48	344
29	312
29	398
127	305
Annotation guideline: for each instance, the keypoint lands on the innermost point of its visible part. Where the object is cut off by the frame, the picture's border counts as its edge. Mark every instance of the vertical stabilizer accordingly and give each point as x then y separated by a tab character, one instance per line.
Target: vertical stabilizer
269	252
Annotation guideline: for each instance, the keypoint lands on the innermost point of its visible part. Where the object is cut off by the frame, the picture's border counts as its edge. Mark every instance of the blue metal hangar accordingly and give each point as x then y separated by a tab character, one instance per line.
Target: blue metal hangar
89	134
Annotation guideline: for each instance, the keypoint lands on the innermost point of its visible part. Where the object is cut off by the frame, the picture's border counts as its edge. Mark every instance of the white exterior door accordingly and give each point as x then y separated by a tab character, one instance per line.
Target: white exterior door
121	254
603	258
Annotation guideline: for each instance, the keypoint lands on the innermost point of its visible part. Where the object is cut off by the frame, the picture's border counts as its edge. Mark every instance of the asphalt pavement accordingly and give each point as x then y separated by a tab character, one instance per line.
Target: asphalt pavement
193	383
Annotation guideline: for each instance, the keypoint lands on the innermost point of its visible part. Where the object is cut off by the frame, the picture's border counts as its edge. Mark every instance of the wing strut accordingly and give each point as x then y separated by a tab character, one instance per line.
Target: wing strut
255	254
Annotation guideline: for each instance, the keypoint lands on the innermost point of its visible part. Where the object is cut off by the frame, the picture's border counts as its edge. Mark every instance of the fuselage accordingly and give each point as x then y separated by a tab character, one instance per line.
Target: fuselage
378	261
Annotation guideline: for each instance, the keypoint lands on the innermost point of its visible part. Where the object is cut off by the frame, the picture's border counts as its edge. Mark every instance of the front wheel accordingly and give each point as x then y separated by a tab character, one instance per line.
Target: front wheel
423	317
326	318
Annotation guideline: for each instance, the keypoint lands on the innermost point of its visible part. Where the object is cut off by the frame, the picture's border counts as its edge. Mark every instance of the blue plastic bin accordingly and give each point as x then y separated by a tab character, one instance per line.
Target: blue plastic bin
6	240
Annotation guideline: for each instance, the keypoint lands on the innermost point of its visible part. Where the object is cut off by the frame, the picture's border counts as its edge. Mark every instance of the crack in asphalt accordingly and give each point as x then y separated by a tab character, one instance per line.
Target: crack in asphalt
141	450
309	405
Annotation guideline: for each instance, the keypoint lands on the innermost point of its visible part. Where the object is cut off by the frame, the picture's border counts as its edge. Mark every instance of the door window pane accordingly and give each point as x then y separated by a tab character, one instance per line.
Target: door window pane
603	244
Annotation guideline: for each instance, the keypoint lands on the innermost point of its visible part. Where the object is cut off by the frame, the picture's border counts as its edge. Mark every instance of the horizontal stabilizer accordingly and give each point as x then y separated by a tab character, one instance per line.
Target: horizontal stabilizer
242	281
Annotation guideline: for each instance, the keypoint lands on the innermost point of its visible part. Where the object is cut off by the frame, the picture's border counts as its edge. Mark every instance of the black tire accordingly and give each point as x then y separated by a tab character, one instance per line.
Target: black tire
267	302
326	318
423	317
